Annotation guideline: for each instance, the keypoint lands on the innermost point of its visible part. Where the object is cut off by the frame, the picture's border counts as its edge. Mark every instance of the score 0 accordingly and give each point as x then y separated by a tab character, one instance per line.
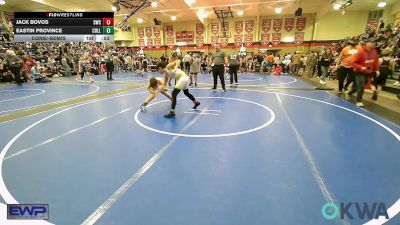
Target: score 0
108	21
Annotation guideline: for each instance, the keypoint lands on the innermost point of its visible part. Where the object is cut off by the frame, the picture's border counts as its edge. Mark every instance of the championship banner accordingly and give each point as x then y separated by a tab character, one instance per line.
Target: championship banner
265	39
141	42
248	39
157	42
301	23
249	26
299	37
149	43
140	32
266	25
149	32
238	40
199	28
225	27
214	28
170	42
239	27
276	38
289	24
277	24
224	42
373	23
156	31
170	30
214	40
199	41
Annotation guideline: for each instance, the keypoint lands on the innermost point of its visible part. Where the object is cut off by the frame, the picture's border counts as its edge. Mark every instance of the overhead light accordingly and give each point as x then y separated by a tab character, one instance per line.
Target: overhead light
203	14
240	13
2	2
81	10
140	20
337	6
278	10
381	4
341	4
190	1
115	6
154	4
173	17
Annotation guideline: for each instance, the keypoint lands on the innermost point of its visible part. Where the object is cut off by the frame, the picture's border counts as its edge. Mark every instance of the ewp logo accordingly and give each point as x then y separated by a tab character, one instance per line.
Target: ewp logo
331	211
28	212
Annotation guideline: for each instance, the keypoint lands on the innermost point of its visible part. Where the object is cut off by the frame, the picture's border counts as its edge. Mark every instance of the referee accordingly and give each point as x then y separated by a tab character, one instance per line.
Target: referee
218	66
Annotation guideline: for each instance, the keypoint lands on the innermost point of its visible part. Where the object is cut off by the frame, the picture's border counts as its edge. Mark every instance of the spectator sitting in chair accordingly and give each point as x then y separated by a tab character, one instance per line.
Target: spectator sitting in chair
37	76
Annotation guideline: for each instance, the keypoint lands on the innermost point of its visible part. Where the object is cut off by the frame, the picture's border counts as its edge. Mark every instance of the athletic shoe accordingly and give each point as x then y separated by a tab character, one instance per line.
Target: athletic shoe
237	84
397	83
374	96
224	90
213	89
190	84
196	104
91	80
171	114
143	108
322	82
359	104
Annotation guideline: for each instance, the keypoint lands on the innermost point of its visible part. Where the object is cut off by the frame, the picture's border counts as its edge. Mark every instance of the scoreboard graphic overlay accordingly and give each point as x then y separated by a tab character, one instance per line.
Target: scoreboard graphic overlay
63	26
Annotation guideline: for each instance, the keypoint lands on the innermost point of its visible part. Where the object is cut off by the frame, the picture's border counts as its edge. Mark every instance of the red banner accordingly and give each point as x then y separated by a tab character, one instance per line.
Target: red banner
149	32
149	43
301	23
249	26
156	31
170	42
239	27
185	36
140	32
276	38
199	28
248	39
225	27
141	42
299	37
157	42
214	40
224	42
214	28
277	24
266	25
289	24
238	40
265	39
373	23
199	41
170	30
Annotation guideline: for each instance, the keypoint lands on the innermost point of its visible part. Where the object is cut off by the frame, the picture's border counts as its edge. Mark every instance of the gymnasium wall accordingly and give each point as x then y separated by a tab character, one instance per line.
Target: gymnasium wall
332	26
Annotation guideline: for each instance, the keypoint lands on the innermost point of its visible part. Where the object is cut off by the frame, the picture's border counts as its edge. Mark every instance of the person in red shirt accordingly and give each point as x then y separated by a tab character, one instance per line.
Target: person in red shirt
278	70
365	64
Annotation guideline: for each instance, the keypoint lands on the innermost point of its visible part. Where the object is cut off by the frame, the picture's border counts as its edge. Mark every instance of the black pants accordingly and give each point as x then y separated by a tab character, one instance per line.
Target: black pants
218	71
110	68
344	72
233	69
16	70
175	93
